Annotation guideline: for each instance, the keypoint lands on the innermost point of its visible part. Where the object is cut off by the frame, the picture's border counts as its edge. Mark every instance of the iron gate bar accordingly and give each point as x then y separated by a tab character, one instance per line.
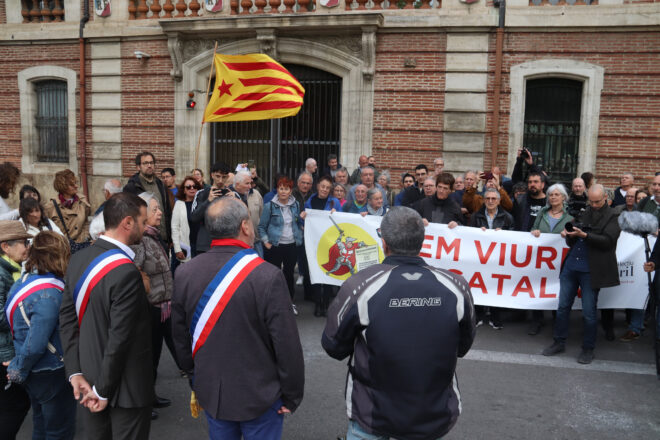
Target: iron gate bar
51	121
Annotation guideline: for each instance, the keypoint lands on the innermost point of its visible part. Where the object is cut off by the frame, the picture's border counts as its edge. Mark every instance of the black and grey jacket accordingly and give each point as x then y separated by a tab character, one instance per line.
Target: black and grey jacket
404	323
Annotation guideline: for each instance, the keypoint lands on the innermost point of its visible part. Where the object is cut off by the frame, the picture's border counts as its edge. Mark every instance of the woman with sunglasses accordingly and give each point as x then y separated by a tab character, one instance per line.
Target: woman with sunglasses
184	231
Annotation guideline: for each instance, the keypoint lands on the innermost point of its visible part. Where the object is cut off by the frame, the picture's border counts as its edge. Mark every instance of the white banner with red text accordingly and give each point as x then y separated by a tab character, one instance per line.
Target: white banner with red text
503	268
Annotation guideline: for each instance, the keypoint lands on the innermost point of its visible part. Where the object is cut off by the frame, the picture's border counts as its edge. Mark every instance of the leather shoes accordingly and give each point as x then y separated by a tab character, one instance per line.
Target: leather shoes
629	336
555	348
161	402
586	356
154	415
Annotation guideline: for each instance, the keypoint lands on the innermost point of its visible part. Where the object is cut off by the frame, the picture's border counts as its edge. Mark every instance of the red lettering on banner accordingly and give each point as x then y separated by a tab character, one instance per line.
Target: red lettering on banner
426	245
524	286
502	253
547	260
477	282
528	256
542	293
455	246
483	259
500	280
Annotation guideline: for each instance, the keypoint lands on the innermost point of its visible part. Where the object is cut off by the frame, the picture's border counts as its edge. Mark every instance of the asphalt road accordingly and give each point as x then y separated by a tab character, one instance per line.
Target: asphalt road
509	391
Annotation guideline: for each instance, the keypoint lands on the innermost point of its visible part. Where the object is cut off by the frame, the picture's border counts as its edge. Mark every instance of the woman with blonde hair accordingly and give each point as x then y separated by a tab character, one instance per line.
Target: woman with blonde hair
33	309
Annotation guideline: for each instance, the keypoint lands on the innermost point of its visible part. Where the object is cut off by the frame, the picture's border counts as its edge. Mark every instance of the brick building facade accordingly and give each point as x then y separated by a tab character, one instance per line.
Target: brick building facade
417	83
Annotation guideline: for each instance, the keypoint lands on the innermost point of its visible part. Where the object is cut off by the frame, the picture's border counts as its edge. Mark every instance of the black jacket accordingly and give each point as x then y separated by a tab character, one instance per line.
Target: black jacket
112	345
522	212
576	204
135	186
601	245
502	220
253	355
197	213
404	323
444	211
411	195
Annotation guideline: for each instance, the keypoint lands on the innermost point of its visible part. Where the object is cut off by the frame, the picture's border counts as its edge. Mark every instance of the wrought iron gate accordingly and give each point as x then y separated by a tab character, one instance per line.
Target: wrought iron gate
283	145
552	125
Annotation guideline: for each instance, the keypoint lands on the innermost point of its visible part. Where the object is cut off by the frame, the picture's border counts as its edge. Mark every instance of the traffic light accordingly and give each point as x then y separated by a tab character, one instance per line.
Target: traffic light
190	104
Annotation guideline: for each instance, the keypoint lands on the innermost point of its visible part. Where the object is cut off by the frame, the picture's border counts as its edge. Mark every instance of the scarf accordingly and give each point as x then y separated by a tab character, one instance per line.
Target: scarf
67	203
372	211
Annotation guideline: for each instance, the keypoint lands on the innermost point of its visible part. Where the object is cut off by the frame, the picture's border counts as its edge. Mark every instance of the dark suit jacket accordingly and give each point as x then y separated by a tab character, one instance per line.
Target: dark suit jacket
253	354
112	347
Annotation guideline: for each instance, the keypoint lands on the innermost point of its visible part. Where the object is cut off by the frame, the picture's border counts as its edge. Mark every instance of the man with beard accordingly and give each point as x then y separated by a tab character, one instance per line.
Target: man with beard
106	329
525	209
145	180
577	200
590	265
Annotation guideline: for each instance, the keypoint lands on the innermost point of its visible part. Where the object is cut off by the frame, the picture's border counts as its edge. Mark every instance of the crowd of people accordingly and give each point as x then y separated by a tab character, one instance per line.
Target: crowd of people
154	248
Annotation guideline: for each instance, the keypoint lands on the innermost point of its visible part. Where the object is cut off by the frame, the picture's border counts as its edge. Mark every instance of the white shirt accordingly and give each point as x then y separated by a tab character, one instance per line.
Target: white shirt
120	245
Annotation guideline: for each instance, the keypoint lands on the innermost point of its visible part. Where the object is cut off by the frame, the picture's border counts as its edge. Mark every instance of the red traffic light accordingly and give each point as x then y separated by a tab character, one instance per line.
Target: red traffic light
190	104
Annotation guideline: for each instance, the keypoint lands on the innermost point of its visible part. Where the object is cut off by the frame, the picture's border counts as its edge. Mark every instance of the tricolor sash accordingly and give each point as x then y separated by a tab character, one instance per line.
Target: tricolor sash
97	269
218	293
35	284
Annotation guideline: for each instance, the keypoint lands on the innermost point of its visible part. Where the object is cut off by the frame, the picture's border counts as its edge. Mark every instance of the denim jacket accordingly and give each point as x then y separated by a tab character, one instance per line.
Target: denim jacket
272	222
31	343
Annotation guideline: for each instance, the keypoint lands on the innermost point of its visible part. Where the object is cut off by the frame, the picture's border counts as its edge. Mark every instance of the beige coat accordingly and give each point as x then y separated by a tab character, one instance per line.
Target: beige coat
255	206
76	218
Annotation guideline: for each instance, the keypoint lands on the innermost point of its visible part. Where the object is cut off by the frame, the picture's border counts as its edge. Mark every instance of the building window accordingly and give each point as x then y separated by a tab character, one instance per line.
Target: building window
552	125
51	121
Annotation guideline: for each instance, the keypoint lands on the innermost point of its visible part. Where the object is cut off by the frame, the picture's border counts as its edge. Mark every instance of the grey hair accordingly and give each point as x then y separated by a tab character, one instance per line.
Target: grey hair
305	173
437	159
470	171
372	192
97	226
309	161
402	229
492	190
610	193
111	187
628	173
148	197
367	168
386	174
225	220
342	170
557	187
242	176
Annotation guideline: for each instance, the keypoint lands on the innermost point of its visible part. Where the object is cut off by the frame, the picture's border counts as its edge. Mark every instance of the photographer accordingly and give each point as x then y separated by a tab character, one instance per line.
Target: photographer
592	251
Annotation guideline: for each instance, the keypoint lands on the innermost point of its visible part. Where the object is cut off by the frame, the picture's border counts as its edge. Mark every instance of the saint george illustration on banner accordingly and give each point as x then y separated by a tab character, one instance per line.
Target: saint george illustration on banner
503	268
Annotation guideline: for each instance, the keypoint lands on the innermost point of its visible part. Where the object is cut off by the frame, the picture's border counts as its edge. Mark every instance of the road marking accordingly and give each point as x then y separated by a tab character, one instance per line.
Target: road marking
560	362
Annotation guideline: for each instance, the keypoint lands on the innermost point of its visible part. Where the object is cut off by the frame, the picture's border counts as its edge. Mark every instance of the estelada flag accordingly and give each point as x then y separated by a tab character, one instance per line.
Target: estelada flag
251	87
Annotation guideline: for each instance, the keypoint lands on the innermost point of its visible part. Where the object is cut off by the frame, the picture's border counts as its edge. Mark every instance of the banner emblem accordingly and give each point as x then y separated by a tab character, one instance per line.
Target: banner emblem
345	248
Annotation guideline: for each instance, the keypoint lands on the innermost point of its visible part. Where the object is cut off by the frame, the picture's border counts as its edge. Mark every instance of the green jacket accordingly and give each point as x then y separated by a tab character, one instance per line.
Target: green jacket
541	222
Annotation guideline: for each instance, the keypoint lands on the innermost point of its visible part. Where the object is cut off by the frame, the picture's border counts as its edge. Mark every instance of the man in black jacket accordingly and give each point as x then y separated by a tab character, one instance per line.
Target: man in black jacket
439	208
246	364
415	192
145	180
219	173
106	330
590	265
404	323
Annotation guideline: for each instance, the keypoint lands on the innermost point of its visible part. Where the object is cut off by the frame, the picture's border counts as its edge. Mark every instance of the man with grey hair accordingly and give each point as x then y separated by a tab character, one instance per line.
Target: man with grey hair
234	331
312	168
368	179
374	318
438	165
627	181
110	188
590	265
243	187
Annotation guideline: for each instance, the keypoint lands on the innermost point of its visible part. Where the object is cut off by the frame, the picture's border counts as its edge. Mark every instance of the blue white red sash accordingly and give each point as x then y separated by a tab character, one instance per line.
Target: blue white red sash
218	293
35	284
98	268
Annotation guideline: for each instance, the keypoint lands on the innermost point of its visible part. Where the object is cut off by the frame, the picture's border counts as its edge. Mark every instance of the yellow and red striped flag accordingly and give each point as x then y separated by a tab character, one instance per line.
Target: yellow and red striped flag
251	87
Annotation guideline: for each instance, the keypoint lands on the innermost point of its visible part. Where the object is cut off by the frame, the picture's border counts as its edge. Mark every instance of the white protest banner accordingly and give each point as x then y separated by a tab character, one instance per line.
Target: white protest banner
504	268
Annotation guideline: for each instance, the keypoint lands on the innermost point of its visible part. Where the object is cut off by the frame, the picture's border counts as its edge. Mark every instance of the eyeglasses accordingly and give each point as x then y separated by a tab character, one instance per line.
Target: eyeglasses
189	187
26	242
149	163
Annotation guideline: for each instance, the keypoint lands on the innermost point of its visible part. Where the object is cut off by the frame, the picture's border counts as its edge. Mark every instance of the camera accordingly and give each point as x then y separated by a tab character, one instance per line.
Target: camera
570	227
524	154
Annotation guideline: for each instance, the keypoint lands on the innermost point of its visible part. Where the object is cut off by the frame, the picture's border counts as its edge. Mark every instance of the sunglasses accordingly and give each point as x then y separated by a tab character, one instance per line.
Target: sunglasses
189	187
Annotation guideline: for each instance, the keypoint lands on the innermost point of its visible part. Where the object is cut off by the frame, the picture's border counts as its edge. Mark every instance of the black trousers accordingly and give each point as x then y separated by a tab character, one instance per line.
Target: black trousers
14	405
284	256
303	269
160	331
118	424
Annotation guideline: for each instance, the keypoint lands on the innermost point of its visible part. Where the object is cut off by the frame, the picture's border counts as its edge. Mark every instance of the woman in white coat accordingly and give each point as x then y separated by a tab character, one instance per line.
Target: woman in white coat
181	225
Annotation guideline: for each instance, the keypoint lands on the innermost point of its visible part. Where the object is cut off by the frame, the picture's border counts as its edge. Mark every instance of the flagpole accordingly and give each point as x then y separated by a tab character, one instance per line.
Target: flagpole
208	88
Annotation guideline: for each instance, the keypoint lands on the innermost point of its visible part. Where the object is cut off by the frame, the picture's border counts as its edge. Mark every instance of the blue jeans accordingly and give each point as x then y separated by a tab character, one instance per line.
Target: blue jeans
355	432
569	281
53	405
268	426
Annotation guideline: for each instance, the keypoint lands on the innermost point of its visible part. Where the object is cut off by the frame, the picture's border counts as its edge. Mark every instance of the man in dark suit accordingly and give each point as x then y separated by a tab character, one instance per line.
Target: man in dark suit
245	360
105	327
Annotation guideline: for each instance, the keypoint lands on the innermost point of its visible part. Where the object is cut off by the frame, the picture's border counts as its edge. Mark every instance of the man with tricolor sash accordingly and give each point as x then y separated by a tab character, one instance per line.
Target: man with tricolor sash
235	333
106	330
